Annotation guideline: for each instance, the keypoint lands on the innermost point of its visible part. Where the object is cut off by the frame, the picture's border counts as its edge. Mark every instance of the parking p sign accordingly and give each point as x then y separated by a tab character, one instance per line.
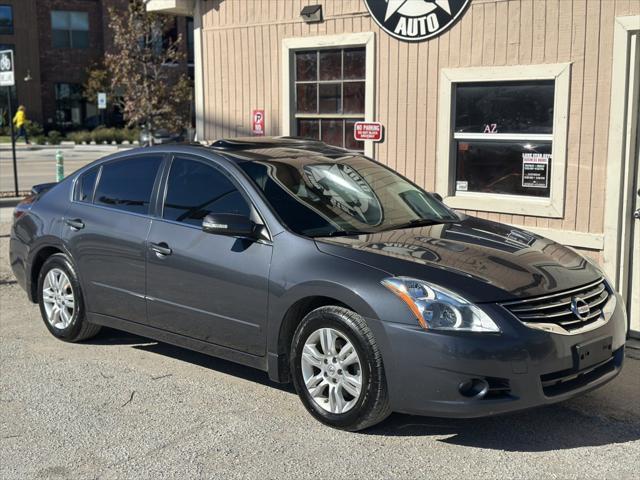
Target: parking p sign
257	122
7	77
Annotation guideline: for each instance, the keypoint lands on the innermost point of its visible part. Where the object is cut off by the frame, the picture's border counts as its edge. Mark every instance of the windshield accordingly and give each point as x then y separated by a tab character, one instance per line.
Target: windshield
318	197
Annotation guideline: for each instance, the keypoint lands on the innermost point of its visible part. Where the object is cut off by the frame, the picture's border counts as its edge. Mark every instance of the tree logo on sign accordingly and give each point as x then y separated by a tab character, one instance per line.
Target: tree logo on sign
416	20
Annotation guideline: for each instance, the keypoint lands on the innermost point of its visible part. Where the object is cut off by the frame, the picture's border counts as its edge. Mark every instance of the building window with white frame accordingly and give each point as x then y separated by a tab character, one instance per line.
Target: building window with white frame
502	138
329	94
503	135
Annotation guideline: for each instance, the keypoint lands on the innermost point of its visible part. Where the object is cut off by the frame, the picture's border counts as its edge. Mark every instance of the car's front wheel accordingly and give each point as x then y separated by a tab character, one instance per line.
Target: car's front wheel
337	369
61	302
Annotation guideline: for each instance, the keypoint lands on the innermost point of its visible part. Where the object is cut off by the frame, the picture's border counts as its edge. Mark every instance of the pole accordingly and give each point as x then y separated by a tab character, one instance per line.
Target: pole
59	166
13	143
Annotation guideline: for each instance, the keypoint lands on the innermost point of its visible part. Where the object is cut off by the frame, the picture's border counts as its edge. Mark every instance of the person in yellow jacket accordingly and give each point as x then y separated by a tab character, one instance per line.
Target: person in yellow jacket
19	120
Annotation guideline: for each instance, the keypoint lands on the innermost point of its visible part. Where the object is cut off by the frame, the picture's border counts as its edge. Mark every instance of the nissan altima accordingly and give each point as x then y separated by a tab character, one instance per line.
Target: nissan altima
323	268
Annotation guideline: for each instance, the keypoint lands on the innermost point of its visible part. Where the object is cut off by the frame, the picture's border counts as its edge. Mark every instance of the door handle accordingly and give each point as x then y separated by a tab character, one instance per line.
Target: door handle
636	214
75	224
161	249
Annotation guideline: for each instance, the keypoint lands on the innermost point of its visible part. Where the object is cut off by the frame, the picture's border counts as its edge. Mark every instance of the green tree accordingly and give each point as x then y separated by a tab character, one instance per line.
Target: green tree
150	93
98	80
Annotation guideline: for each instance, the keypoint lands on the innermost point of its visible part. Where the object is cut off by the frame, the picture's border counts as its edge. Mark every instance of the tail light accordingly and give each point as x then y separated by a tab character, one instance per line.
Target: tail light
23	207
36	191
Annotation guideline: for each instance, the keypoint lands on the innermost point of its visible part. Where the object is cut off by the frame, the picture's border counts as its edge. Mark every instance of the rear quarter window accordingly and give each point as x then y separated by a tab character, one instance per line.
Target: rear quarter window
85	185
127	184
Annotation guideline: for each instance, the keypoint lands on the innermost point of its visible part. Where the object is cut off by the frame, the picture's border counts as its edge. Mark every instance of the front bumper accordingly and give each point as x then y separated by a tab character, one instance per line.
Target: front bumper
523	367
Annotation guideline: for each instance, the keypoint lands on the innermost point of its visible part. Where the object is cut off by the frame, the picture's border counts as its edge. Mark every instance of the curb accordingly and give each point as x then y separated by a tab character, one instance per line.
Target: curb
633	343
9	202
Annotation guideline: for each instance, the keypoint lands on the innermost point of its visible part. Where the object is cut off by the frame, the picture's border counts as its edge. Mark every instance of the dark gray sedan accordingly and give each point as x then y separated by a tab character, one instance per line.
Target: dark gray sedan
321	267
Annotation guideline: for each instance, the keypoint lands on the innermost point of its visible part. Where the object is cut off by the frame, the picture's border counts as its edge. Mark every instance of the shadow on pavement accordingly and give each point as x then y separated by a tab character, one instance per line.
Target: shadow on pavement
556	427
108	336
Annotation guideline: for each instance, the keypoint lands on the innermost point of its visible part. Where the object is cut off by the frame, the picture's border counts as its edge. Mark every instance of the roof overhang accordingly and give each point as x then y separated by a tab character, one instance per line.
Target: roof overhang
172	7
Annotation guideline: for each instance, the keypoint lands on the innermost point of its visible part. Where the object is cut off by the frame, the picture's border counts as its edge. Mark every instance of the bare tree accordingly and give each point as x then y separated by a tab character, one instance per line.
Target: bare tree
150	92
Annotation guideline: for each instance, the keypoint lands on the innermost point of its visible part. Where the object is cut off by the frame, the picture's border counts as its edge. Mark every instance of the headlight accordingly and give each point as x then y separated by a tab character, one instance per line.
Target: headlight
438	308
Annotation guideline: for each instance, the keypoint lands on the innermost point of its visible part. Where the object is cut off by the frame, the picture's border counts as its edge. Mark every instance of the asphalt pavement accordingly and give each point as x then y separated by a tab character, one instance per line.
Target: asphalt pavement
38	165
121	406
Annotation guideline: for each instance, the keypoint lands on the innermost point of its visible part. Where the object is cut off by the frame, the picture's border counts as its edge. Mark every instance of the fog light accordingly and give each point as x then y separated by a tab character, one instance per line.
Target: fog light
474	388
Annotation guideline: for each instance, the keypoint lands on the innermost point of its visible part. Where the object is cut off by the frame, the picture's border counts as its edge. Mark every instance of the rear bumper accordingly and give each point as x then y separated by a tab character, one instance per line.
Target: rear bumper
523	367
18	254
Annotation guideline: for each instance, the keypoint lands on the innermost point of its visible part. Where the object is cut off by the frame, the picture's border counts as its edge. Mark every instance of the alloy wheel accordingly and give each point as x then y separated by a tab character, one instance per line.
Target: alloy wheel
331	370
58	298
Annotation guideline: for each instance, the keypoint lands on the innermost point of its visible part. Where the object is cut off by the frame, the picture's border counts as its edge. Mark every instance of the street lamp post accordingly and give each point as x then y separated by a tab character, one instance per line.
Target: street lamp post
13	142
7	79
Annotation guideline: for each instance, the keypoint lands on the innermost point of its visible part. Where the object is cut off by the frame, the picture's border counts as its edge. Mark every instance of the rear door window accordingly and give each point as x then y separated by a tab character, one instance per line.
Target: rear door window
195	190
85	185
127	184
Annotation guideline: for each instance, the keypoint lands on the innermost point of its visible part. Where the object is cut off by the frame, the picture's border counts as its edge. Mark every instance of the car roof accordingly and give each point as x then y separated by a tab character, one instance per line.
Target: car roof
276	148
263	149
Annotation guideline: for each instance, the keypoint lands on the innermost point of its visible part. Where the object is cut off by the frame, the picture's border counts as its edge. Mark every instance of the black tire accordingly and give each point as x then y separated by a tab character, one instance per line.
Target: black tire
78	329
372	405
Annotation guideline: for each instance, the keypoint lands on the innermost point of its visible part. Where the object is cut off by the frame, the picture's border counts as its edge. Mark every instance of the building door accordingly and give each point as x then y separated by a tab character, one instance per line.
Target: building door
634	281
622	227
633	213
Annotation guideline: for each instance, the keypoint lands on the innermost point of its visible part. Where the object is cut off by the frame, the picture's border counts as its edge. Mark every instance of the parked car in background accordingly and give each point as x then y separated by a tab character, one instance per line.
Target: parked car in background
322	267
161	136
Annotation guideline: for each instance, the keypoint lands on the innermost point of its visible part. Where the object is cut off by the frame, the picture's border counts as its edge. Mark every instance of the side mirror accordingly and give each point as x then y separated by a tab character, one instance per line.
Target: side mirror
437	196
229	224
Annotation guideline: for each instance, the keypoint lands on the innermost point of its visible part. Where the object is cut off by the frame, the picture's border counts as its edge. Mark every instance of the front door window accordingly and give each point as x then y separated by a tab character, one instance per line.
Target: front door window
194	190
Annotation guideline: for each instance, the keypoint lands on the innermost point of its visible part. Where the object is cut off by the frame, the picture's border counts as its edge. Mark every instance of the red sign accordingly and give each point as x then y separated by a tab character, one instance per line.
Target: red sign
367	131
257	122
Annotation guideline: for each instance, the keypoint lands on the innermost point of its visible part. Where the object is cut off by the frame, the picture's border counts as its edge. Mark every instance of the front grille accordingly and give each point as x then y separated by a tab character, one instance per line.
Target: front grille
556	308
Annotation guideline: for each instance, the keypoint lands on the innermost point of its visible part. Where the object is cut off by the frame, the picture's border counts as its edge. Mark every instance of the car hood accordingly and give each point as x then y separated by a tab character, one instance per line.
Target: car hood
482	260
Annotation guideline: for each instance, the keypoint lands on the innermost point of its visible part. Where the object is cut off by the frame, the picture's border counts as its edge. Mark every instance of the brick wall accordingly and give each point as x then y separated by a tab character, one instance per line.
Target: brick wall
66	65
69	65
24	41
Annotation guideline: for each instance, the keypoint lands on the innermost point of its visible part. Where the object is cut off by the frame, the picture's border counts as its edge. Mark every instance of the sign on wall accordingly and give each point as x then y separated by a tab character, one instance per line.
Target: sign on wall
535	170
257	122
367	131
7	76
416	20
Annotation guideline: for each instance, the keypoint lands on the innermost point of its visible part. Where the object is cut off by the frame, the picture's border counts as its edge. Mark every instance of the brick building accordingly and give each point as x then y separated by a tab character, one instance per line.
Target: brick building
52	59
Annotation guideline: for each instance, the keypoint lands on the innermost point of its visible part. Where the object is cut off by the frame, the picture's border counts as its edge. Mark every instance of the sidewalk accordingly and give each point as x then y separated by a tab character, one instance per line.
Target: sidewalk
67	146
38	165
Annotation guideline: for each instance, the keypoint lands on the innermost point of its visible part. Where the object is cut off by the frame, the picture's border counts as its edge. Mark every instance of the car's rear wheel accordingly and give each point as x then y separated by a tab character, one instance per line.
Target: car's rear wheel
337	369
61	302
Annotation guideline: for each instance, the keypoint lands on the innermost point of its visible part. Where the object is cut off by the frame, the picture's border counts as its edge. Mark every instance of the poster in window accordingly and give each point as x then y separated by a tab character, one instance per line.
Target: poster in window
535	170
